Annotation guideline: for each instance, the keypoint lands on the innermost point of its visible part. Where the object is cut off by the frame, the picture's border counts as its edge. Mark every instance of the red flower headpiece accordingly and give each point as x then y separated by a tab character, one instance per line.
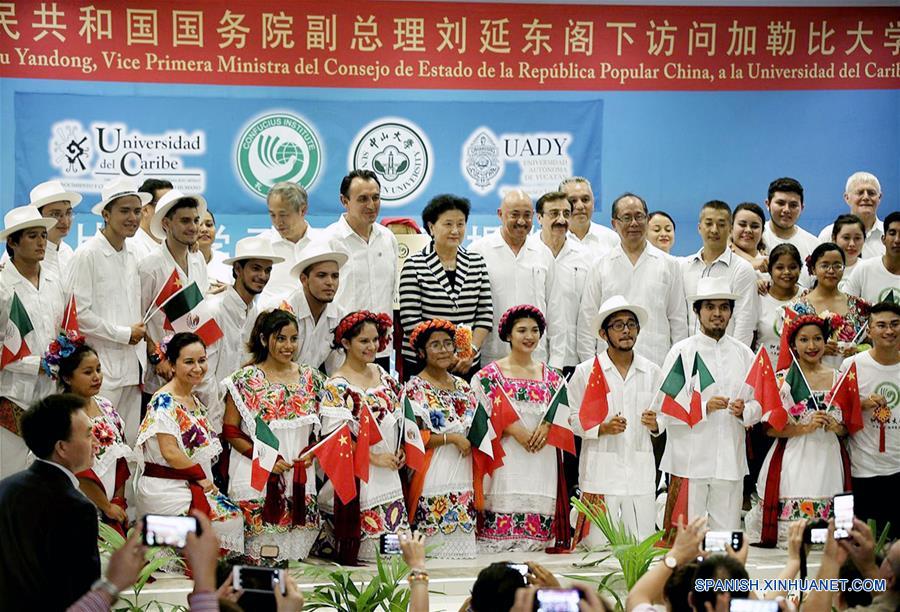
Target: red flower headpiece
436	324
517	312
382	321
825	324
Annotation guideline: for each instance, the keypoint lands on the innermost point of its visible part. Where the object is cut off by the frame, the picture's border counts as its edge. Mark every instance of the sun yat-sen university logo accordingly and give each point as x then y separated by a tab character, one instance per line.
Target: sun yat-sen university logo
400	154
278	147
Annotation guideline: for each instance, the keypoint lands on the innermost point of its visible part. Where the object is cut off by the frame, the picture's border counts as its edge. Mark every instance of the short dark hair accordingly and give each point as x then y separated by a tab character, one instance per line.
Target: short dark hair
785	185
267	323
664	214
178	342
152	185
698	304
893	217
678	585
48	421
785	248
495	588
550	197
716	205
440	204
185	202
627	194
885	306
819	251
366	175
717	567
17	235
70	363
844	220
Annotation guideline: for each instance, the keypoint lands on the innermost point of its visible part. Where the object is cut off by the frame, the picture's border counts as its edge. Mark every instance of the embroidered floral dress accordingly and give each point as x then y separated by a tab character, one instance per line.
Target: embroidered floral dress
812	472
853	321
520	498
291	412
381	503
166	415
110	446
445	512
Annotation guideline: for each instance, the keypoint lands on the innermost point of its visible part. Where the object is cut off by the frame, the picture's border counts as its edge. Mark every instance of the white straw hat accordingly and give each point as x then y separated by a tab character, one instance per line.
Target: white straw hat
166	203
119	188
615	304
253	247
50	192
24	217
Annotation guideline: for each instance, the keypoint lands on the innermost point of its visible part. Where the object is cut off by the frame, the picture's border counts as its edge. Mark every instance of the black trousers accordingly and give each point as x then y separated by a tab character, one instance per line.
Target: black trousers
871	500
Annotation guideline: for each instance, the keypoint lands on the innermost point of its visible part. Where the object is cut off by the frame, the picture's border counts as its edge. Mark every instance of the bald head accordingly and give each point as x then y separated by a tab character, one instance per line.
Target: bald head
516	216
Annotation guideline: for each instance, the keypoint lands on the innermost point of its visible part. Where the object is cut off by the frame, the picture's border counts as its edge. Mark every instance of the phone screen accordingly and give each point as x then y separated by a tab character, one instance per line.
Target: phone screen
162	530
522	568
390	544
556	600
843	515
753	605
256	579
818	536
716	541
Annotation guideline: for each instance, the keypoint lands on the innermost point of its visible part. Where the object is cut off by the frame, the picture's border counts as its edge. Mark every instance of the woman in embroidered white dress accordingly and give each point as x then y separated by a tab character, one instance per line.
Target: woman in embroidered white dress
176	447
285	396
804	468
520	498
77	368
441	499
360	382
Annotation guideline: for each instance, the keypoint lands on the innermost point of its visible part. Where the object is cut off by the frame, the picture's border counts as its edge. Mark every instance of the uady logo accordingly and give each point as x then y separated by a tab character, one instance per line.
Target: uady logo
278	147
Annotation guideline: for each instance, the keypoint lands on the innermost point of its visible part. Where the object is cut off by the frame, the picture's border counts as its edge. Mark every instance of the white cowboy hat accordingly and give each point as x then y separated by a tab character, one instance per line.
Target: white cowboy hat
50	192
710	288
166	203
118	188
24	217
253	247
316	252
615	304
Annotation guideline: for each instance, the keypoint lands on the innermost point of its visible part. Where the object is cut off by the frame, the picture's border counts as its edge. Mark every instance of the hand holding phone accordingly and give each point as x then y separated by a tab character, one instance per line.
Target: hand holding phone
717	541
164	530
389	544
557	600
843	515
252	579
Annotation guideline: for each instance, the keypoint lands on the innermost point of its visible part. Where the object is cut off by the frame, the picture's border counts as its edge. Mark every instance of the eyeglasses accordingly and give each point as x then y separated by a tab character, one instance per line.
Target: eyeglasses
620	325
628	219
60	215
836	267
882	326
446	345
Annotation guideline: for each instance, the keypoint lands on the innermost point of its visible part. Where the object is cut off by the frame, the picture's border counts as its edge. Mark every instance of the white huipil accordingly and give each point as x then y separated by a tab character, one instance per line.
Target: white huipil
523	278
281	282
154	271
316	337
654	282
712	454
107	289
226	356
622	465
22	382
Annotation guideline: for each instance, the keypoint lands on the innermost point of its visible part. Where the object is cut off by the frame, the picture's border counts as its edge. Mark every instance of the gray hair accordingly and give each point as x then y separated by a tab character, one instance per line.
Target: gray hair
576	180
862	177
292	193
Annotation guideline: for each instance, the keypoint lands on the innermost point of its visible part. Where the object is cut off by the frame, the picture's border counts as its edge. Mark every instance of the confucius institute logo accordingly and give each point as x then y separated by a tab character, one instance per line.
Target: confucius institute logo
400	154
278	147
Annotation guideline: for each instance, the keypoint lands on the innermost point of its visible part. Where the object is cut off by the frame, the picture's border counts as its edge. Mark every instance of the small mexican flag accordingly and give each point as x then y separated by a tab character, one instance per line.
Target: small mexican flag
412	439
17	329
560	434
484	459
794	389
265	454
187	312
683	399
172	286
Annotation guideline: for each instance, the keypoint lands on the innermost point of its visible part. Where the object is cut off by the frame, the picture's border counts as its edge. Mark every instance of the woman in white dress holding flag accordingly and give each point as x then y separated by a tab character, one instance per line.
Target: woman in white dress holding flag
525	504
363	395
271	416
441	499
806	466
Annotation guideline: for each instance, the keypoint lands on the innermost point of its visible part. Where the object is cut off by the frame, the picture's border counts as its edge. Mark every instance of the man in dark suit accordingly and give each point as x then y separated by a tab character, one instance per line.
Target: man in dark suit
48	528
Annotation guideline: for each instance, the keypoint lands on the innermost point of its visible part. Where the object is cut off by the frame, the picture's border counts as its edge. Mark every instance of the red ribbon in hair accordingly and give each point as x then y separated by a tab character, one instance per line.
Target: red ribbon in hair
192	475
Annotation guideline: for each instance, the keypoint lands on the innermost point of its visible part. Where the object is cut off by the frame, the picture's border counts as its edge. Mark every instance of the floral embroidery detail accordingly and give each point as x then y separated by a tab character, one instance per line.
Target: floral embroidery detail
193	437
438	420
193	426
517	526
793	509
337	393
532	391
386	518
845	327
446	513
254	525
445	407
107	427
275	401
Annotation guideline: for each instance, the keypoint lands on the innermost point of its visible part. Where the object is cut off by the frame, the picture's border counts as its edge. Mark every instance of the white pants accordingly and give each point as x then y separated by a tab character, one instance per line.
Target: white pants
637	512
720	500
14	455
127	402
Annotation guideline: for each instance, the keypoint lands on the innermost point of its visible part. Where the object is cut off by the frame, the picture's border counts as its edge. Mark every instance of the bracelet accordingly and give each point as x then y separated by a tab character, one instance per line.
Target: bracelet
417	575
445	439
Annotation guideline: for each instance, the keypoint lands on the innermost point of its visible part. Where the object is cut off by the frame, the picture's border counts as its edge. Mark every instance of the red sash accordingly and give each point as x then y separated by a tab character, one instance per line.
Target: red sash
769	537
192	475
122	475
676	506
274	504
562	527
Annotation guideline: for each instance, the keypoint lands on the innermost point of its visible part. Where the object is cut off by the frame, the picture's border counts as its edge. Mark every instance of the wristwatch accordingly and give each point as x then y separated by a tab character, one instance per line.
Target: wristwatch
102	584
154	359
670	561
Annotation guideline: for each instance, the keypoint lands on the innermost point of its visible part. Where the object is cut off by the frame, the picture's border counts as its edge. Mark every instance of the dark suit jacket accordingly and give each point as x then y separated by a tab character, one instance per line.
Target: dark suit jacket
48	541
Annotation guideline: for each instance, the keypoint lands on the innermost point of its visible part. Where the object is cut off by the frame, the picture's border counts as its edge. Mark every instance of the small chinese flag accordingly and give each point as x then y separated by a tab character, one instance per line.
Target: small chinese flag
595	404
845	395
369	434
761	378
172	286
70	319
335	455
784	350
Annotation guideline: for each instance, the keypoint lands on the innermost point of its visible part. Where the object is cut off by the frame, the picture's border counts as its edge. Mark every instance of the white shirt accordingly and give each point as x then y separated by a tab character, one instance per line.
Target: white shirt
803	240
316	337
142	243
572	266
217	271
57	259
871	281
369	277
236	319
523	278
22	381
154	271
654	282
281	284
872	247
714	447
770	322
107	290
742	282
865	459
622	464
599	240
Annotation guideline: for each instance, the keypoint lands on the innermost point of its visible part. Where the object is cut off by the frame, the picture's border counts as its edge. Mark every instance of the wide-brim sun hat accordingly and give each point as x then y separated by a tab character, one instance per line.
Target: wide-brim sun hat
119	188
315	253
710	288
50	192
253	247
165	204
618	303
24	217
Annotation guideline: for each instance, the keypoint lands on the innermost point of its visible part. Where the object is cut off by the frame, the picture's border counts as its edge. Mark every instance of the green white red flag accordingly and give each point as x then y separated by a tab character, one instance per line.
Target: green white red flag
265	454
18	327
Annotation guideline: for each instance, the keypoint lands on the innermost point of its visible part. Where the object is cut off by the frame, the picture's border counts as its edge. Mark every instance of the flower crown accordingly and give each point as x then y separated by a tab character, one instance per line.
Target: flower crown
64	345
162	347
424	326
828	322
382	321
517	312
